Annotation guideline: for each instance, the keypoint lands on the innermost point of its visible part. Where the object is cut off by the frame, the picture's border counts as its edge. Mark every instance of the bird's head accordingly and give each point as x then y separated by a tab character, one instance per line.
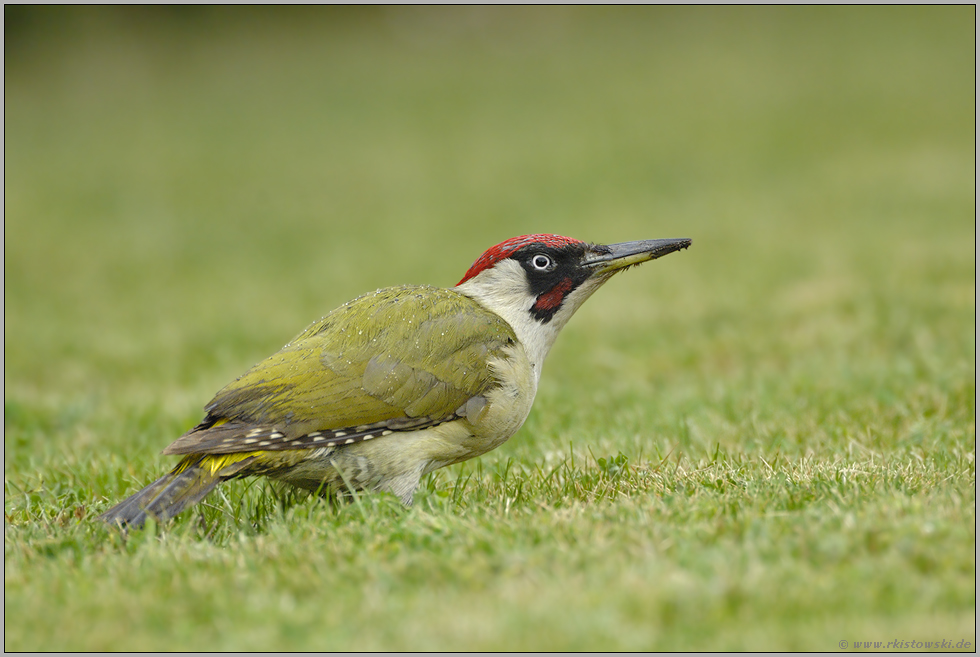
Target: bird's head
537	282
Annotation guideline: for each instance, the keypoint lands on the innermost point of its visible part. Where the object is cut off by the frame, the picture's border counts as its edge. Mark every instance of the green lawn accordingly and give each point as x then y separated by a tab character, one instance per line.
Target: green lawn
766	442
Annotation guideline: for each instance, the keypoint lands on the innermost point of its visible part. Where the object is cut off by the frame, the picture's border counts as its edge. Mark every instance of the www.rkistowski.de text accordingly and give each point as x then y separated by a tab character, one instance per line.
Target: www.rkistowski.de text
898	644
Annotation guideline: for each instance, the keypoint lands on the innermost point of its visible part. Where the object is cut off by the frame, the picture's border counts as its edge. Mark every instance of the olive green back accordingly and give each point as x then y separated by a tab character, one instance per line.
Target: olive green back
392	355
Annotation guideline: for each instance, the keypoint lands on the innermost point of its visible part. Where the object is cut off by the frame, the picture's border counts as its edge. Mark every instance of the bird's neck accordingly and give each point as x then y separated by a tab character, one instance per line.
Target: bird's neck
504	290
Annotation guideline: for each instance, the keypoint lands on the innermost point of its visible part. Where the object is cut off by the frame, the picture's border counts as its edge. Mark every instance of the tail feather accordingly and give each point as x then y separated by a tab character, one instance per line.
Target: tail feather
187	484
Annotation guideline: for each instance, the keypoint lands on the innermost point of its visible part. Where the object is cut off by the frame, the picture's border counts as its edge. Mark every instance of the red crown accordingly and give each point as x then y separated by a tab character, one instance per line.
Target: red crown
506	249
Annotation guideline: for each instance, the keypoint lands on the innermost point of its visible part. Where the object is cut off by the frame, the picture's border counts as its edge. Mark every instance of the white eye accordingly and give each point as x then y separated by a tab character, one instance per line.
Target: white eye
541	262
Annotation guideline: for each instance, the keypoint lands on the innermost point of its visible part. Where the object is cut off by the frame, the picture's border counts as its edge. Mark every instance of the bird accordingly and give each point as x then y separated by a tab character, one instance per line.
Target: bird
396	383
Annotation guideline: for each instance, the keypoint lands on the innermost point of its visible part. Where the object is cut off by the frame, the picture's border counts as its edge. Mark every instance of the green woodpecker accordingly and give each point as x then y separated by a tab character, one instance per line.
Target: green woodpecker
396	383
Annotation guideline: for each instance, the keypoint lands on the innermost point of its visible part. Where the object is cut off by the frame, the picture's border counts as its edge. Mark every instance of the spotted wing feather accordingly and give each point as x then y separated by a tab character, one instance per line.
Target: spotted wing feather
232	438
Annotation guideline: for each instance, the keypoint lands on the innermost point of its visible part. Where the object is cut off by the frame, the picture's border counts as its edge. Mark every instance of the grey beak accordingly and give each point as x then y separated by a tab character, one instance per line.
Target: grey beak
626	254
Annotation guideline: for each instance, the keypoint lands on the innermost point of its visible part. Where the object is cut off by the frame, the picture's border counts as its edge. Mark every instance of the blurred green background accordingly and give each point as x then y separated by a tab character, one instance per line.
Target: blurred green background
188	187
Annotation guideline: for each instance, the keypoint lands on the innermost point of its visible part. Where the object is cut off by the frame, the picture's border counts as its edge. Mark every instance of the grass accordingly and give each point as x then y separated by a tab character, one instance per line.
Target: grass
766	442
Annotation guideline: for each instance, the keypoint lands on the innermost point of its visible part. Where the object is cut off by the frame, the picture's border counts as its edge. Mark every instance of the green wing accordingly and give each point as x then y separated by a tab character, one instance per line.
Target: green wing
398	358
